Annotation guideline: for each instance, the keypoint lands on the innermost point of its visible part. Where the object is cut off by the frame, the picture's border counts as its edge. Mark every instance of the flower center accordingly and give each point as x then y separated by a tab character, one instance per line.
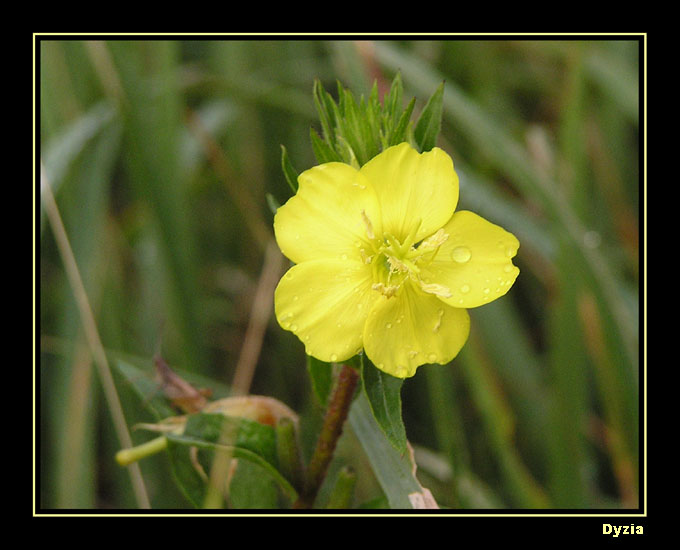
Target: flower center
395	263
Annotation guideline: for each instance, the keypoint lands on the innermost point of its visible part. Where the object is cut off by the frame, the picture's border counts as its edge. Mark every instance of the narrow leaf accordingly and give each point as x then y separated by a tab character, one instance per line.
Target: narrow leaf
392	102
288	171
399	133
430	121
394	470
325	108
321	376
322	151
384	396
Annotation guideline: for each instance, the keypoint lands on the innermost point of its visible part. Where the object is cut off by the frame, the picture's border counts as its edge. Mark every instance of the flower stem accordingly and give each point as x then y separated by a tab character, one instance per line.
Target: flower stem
336	414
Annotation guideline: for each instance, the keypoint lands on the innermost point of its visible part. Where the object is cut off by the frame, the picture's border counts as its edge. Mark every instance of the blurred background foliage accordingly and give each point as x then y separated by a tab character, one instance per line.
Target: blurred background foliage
161	155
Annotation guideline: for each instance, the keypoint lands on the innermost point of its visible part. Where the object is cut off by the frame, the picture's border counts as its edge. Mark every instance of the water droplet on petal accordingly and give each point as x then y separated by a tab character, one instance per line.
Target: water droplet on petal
465	289
334	357
486	291
461	254
293	327
344	256
510	252
432	357
388	325
508	268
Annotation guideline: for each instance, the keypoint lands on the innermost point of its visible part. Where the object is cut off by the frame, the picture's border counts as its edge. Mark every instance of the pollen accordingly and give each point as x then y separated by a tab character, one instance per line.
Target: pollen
387	291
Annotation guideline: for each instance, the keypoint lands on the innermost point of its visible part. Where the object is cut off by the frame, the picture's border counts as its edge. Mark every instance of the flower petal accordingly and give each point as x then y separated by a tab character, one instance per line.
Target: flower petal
325	304
475	261
324	219
413	328
418	193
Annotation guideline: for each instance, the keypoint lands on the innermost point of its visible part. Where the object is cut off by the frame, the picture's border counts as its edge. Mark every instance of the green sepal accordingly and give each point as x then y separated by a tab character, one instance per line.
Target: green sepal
354	131
400	132
289	172
322	151
384	397
392	101
326	109
429	124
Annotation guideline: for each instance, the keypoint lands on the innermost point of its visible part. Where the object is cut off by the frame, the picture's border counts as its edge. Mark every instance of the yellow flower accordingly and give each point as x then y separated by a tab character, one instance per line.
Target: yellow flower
383	264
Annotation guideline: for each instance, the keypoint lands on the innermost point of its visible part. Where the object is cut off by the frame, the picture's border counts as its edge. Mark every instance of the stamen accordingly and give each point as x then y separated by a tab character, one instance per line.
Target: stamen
368	224
365	257
433	241
436	289
387	291
396	265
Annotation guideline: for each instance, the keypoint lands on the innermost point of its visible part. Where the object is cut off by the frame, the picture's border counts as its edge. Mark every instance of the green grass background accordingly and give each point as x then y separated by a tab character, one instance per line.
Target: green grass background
161	154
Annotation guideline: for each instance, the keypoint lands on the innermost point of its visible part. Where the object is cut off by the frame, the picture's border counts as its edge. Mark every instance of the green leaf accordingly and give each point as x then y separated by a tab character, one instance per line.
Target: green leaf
322	151
288	171
398	135
352	127
325	107
245	439
245	433
192	483
430	121
249	489
321	375
393	470
392	101
384	396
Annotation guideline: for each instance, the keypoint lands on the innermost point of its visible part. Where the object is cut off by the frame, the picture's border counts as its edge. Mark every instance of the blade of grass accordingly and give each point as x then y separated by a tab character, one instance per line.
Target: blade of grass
90	328
152	112
72	400
568	414
523	490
